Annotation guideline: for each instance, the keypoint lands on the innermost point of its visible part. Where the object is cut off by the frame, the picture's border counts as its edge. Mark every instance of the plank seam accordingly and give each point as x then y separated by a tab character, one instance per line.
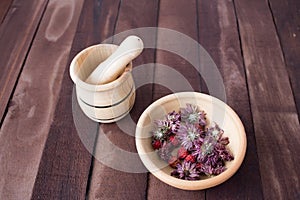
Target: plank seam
23	63
284	57
199	60
91	170
117	19
89	180
153	78
155	50
246	79
198	38
9	7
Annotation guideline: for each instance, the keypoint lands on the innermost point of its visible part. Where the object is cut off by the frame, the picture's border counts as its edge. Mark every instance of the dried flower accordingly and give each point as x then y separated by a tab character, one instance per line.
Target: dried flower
174	121
165	151
188	134
212	152
192	115
163	126
186	171
211	171
173	116
202	150
208	145
215	131
158	135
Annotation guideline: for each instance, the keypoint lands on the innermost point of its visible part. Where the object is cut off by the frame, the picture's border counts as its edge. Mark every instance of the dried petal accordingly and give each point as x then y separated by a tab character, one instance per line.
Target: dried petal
188	135
186	171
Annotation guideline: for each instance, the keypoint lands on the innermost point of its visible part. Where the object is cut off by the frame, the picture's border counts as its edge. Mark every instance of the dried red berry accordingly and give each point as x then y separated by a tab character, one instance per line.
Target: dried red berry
156	144
190	158
173	161
173	140
182	153
198	165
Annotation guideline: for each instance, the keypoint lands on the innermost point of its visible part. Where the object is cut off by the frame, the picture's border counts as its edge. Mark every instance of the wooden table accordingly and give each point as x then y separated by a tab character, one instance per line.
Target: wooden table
255	44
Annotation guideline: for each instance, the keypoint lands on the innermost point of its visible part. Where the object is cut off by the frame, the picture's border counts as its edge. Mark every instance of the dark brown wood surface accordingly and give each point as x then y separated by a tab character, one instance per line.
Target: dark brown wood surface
65	163
286	16
129	185
219	35
16	34
104	16
46	142
273	107
31	110
4	6
167	83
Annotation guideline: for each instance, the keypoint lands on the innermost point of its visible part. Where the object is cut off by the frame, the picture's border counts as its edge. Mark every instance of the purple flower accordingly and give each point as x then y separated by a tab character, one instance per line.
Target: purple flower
212	155
212	152
158	134
202	119
192	115
215	131
173	116
188	128
186	171
188	135
208	145
223	153
201	150
163	125
165	151
174	121
209	170
162	130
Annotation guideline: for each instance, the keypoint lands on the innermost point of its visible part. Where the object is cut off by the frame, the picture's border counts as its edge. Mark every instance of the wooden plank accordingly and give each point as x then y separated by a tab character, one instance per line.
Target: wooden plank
108	182
14	47
274	112
287	19
175	17
4	6
218	34
66	160
180	16
27	123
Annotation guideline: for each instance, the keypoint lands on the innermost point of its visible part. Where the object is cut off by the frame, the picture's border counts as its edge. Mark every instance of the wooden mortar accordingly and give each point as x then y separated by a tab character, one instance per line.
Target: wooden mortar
103	103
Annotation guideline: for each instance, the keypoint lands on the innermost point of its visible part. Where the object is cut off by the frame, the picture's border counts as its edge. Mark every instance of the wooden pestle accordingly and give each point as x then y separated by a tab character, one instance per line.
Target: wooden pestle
115	64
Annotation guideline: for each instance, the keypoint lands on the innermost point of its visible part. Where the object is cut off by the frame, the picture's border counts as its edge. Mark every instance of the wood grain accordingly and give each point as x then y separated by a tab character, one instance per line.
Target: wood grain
66	160
180	16
218	34
175	17
274	112
105	17
287	19
108	182
30	113
13	47
4	6
46	141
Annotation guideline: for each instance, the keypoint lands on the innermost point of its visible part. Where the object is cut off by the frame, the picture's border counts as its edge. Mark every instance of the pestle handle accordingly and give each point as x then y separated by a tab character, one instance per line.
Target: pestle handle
115	64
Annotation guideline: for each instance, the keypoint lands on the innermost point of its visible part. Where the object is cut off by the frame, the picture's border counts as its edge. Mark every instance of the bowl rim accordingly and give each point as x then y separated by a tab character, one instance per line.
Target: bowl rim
198	184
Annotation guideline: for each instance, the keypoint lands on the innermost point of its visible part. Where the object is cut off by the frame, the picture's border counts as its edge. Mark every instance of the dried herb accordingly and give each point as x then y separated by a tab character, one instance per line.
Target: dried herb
201	148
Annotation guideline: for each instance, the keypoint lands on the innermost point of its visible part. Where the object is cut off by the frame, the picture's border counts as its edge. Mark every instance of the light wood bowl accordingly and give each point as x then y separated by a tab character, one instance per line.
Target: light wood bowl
103	103
216	110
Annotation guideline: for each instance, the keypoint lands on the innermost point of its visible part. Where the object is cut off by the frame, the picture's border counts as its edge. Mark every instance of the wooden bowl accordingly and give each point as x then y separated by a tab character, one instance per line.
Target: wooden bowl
216	110
104	103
